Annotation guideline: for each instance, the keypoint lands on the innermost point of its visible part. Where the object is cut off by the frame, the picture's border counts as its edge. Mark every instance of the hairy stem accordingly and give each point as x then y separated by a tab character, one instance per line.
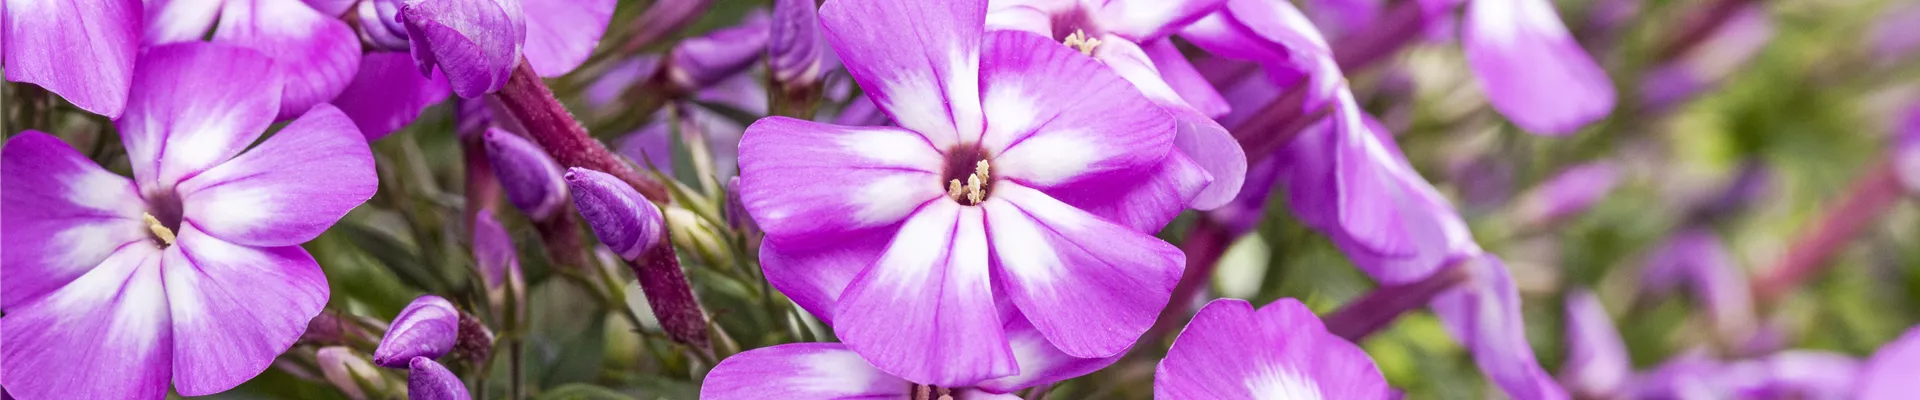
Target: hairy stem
528	99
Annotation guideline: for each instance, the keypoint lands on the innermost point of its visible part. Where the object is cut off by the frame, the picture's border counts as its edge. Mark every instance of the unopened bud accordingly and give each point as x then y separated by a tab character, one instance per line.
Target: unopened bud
380	25
793	45
426	328
531	179
623	219
475	43
428	380
701	61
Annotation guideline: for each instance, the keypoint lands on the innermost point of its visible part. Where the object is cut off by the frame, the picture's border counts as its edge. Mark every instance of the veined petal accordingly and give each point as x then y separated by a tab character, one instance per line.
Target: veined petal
106	335
1023	17
476	43
1197	136
318	53
1055	116
1145	20
1067	270
805	181
814	277
224	330
562	33
1145	203
290	188
193	106
1531	68
1185	79
1484	314
388	93
428	327
1231	351
800	371
174	21
82	50
1040	361
428	380
925	310
60	215
918	61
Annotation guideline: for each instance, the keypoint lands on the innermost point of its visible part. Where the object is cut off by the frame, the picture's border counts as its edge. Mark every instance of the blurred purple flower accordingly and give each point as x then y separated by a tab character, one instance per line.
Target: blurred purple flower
1597	364
1232	351
82	50
1729	49
317	53
1695	258
530	178
1531	69
701	61
217	222
1889	373
499	263
901	237
1783	375
1895	37
428	380
1906	149
1571	192
1483	313
427	328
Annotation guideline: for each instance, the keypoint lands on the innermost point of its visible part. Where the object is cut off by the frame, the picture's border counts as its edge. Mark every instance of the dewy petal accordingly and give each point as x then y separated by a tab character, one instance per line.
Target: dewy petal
388	93
1889	374
82	50
562	33
60	215
1532	69
428	380
1068	270
1152	19
918	61
104	336
1597	364
1231	351
193	106
426	328
1185	79
1040	361
1056	116
235	308
1484	314
925	310
805	181
318	53
288	189
476	43
814	277
800	371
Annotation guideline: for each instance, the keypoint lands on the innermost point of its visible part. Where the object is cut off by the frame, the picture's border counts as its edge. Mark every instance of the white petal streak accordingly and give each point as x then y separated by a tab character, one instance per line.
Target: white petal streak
1281	383
1050	159
131	278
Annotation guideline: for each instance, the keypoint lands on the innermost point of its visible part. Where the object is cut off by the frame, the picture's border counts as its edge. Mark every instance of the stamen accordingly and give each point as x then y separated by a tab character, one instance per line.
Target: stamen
1079	40
975	190
159	231
953	189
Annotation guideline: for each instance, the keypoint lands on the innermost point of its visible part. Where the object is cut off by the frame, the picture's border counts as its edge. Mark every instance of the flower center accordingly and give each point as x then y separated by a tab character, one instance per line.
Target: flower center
1080	40
163	217
968	175
925	392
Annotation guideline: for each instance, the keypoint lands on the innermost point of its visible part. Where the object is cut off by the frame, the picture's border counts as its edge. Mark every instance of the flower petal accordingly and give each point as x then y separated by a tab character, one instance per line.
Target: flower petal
224	330
1040	361
1531	68
1597	364
318	53
388	93
1144	20
46	42
918	61
800	371
476	43
1231	351
288	189
428	380
175	21
1146	203
1484	314
1068	270
814	277
1056	116
1197	136
60	215
1889	374
925	311
562	33
805	181
104	336
1185	79
427	328
194	106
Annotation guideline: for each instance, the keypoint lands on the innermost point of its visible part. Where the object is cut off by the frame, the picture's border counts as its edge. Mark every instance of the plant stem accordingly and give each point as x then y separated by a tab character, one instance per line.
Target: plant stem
671	295
1870	196
1398	27
528	99
1376	310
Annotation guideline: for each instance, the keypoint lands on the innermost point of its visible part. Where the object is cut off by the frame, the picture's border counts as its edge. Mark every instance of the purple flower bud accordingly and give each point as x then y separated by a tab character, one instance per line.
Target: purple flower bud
428	380
1597	365
493	251
1906	150
1725	52
380	25
530	178
701	61
426	328
736	212
793	47
475	43
623	219
346	370
1695	257
1570	193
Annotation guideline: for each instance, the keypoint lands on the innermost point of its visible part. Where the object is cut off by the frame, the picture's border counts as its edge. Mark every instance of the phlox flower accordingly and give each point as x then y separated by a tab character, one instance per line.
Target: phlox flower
1281	351
831	371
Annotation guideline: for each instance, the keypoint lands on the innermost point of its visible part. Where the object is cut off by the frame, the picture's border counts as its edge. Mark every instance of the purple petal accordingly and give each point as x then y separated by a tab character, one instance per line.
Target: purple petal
426	328
1057	116
1197	136
531	179
1889	374
1231	351
288	189
1040	361
1185	79
701	61
428	380
804	181
814	277
331	8
380	26
1341	18
388	93
1145	20
318	53
918	61
1569	193
1484	314
1906	149
60	215
793	44
1532	70
476	43
193	106
235	308
620	217
46	43
1728	50
1013	16
925	310
1796	374
1067	270
493	250
1697	258
1895	38
800	371
1597	365
106	335
562	33
1146	203
651	147
174	21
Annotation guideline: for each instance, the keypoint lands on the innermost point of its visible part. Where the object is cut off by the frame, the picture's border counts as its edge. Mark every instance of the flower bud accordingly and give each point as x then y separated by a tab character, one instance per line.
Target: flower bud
1568	194
793	45
1597	364
349	372
380	25
619	216
475	343
530	178
426	328
702	61
428	380
736	211
494	253
475	43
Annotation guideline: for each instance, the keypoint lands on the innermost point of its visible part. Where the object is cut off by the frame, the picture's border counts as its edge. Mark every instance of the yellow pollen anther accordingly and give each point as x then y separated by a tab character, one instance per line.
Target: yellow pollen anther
1079	40
975	190
159	231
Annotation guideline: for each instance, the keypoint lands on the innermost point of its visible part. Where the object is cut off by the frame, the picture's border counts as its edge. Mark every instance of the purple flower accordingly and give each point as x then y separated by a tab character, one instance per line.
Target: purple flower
1730	47
476	43
82	50
1483	313
832	371
902	237
1785	375
1895	38
428	380
317	53
1889	373
1281	351
388	93
1572	192
794	42
702	61
530	178
427	328
623	219
1906	149
1531	68
1697	259
89	250
1597	364
494	253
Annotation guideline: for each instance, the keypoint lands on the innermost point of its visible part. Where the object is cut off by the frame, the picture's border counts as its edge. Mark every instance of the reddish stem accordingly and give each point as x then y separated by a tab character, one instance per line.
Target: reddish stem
1376	310
1700	26
482	191
561	235
528	99
1277	124
1869	197
671	295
